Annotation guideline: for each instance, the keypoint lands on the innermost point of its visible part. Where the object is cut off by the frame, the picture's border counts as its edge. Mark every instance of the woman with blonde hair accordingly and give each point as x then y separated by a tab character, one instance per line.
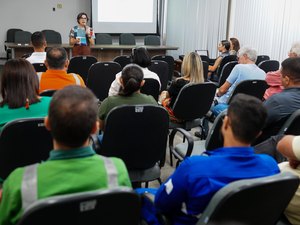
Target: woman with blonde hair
192	72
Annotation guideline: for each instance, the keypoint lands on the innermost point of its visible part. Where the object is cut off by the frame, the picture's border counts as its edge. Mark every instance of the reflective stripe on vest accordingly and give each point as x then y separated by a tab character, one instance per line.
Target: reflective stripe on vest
29	181
112	172
29	186
39	74
77	80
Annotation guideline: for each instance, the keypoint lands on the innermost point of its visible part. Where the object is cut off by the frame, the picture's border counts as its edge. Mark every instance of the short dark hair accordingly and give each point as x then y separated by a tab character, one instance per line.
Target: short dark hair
247	116
56	57
72	115
19	84
291	68
82	14
226	44
38	39
141	57
132	76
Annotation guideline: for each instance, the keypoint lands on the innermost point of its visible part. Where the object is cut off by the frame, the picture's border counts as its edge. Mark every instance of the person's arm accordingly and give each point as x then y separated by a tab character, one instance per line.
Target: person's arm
90	35
115	86
102	113
170	196
216	65
223	89
91	40
11	203
73	41
164	95
289	145
273	110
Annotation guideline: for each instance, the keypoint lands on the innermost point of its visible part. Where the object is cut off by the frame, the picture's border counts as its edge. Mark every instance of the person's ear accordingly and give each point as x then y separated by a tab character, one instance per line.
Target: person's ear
46	64
47	123
142	83
95	127
225	125
67	64
121	81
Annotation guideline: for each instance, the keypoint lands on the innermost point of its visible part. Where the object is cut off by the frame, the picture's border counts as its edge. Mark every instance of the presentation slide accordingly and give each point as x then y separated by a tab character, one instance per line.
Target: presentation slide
124	16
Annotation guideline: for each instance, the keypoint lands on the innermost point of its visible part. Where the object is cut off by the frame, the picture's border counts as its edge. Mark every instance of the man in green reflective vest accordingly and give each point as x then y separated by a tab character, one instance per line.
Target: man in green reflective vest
72	167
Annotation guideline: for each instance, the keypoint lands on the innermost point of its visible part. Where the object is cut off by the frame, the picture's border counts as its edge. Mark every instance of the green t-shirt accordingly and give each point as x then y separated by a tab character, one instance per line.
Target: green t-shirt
112	101
65	172
39	109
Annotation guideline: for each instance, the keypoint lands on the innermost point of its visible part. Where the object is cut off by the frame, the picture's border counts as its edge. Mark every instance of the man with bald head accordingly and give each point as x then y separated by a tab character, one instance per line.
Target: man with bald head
56	76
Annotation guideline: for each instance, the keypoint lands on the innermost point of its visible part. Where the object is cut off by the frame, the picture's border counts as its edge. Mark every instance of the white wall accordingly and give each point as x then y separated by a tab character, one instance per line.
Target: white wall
36	15
196	24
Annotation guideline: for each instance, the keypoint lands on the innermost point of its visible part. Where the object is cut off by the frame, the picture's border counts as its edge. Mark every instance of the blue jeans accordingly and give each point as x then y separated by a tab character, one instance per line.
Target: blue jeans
217	109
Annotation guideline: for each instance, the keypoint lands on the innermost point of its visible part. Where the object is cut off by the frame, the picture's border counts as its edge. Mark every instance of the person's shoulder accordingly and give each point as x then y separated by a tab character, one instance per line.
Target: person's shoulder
181	81
15	177
197	160
148	98
45	100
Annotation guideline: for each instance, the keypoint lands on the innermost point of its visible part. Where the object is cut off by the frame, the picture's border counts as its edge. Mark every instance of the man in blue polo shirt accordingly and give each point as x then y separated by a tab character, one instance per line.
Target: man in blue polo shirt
186	193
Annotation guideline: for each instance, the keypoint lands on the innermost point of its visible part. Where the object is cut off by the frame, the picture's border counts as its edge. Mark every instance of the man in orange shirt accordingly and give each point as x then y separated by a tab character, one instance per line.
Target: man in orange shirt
56	76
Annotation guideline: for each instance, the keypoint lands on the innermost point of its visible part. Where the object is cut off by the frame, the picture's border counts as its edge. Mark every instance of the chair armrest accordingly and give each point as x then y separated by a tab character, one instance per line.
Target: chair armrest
186	136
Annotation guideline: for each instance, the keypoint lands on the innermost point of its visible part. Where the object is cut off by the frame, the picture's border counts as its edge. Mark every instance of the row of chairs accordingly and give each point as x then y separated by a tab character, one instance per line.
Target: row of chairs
126	39
98	76
191	113
16	35
229	62
143	157
247	202
140	157
23	37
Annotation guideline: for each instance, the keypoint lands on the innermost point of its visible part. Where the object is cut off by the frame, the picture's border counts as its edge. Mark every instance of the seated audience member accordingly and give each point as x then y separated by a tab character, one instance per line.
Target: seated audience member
289	146
19	89
39	44
192	72
280	106
131	82
141	57
273	78
56	76
234	46
223	48
245	70
73	166
189	189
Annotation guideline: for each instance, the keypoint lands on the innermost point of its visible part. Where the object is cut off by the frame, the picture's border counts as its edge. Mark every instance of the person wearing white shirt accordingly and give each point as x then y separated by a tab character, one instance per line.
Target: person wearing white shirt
39	44
141	57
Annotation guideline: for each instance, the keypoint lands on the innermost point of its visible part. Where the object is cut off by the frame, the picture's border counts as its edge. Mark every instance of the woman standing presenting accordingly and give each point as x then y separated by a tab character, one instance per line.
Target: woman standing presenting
82	36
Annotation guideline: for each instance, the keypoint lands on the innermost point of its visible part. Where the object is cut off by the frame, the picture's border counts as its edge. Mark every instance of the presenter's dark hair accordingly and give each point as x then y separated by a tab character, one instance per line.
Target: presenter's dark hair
141	57
132	76
19	84
247	117
82	14
56	57
38	39
72	115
